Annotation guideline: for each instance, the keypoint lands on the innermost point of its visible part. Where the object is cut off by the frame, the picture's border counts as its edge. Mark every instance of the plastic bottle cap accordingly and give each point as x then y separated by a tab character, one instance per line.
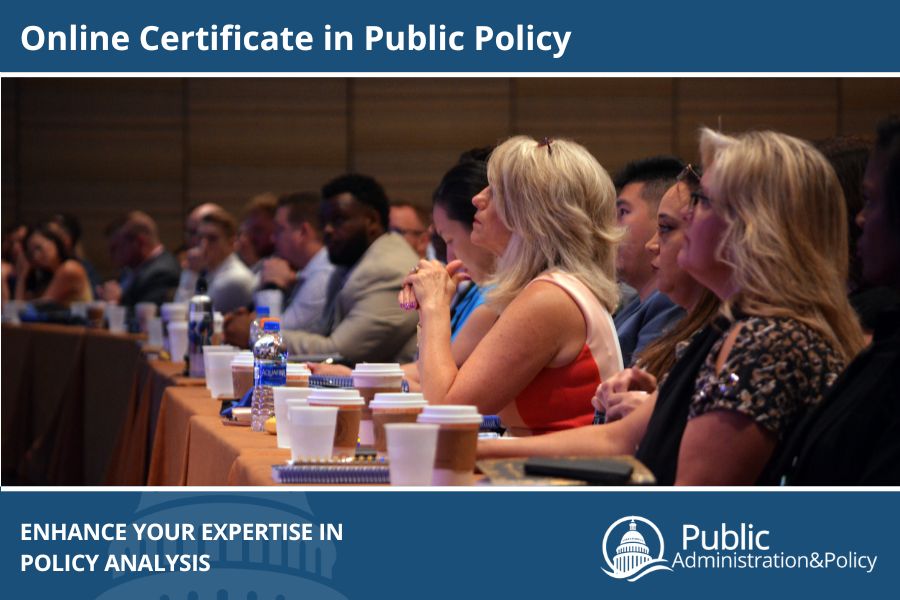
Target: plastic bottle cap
272	326
262	311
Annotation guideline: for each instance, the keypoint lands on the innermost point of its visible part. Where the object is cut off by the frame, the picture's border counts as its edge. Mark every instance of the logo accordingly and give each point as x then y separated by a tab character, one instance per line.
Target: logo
633	558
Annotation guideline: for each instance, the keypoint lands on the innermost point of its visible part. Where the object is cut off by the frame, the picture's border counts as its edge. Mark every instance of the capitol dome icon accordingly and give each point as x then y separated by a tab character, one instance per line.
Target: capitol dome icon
632	551
633	557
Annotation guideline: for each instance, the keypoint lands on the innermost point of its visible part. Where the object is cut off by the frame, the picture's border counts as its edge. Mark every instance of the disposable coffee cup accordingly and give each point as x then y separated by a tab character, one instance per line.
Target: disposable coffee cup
242	373
411	447
78	309
155	337
285	397
95	313
311	431
143	312
350	405
178	340
393	408
218	373
371	379
297	375
454	461
115	317
170	312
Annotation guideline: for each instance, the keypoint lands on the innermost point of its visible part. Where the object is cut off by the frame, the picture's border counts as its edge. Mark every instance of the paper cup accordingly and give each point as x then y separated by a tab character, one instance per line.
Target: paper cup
297	375
411	447
143	312
242	373
178	340
115	317
371	379
350	405
155	332
392	408
284	397
218	373
454	461
311	431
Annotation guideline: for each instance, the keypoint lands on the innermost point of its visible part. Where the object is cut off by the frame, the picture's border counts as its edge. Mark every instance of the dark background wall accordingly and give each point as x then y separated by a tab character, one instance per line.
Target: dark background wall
97	147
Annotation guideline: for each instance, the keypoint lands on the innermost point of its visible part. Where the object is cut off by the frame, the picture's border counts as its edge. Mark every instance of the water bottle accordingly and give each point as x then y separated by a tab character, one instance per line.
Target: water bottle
256	326
200	328
269	370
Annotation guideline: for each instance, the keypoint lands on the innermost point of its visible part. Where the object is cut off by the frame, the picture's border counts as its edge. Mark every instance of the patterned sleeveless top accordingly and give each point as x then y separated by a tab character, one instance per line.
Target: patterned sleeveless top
560	397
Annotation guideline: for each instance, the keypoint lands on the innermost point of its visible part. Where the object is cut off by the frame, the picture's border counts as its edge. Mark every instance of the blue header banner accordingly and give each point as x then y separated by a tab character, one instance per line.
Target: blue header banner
461	36
367	544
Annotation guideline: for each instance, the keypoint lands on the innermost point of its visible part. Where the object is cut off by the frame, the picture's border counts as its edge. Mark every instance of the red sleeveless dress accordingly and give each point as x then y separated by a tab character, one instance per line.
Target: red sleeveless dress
560	397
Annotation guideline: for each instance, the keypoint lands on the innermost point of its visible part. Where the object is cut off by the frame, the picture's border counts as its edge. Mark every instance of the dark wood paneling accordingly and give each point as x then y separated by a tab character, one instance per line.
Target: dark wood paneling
618	120
8	190
866	101
247	136
805	108
97	147
408	132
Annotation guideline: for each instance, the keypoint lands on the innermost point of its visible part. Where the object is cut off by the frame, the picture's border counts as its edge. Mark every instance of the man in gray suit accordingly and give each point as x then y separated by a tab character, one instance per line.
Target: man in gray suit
362	318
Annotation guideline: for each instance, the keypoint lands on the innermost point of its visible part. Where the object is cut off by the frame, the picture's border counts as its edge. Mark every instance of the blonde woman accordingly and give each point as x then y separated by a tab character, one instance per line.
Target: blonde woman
767	234
548	213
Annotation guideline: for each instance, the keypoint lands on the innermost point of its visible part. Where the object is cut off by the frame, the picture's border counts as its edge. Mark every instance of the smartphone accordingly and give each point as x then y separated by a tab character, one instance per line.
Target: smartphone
593	471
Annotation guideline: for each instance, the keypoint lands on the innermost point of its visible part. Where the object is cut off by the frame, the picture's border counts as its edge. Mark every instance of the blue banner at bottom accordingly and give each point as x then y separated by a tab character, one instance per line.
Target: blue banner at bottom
490	544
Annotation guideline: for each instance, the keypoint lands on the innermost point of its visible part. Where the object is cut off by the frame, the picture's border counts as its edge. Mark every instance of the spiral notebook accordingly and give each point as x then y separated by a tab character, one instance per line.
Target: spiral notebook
358	471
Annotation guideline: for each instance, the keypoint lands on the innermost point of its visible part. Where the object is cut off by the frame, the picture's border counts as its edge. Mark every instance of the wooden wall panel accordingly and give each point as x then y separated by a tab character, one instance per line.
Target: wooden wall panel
8	125
618	120
408	132
247	136
806	108
866	101
98	147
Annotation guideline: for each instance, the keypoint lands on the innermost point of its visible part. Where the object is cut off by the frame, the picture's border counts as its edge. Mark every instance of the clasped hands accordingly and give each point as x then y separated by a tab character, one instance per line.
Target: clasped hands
430	284
624	392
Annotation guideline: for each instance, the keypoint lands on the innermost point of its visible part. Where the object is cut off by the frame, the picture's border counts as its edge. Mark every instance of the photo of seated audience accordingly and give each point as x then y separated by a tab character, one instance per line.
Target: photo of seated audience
711	306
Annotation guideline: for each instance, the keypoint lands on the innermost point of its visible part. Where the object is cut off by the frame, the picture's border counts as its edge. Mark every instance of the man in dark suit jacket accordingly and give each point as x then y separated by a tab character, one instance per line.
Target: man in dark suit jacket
150	273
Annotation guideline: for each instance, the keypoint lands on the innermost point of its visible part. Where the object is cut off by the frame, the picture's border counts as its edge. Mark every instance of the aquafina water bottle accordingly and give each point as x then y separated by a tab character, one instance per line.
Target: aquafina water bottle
269	370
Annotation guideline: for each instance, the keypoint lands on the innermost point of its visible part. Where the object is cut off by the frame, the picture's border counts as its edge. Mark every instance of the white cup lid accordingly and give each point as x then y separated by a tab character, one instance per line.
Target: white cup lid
336	397
298	369
451	414
378	369
411	400
284	393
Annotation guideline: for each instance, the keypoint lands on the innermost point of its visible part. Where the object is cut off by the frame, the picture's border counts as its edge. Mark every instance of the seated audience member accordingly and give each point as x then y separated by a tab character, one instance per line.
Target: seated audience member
70	233
301	270
853	438
767	234
254	241
640	186
413	222
453	215
362	322
47	272
229	282
849	155
150	272
549	215
13	248
193	263
613	399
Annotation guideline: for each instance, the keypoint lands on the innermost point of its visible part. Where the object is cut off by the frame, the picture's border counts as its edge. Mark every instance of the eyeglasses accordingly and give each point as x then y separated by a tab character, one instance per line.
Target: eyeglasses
689	175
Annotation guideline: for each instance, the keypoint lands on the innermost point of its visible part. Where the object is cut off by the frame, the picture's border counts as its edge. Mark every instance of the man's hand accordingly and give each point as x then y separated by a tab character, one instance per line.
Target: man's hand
277	271
237	327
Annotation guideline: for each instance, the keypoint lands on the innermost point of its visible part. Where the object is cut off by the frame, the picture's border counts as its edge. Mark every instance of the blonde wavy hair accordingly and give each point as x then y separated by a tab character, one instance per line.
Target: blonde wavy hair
560	206
786	231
